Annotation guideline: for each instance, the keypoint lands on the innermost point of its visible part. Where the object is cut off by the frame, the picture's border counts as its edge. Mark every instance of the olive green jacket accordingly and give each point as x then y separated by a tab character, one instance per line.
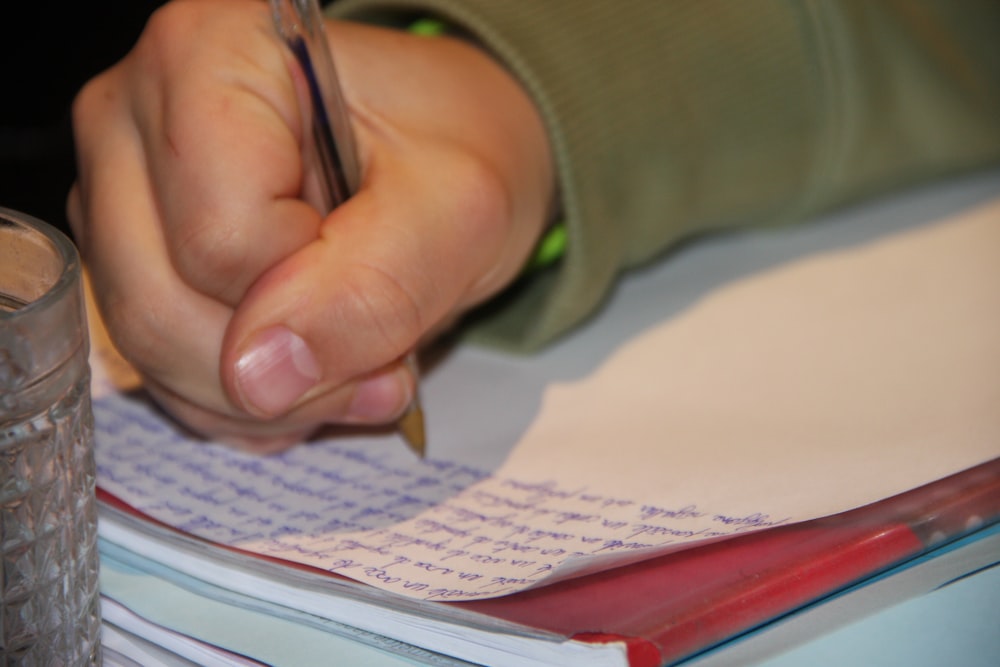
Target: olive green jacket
673	117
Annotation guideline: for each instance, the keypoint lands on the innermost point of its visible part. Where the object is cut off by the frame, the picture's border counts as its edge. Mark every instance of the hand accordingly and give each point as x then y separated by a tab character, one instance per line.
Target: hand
251	317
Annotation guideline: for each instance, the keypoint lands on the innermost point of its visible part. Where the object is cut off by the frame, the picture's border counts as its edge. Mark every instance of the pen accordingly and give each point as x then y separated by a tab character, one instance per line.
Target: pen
300	25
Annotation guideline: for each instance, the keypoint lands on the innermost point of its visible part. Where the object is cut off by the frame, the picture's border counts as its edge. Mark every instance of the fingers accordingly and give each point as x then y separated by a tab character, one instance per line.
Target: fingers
167	329
221	129
188	171
379	398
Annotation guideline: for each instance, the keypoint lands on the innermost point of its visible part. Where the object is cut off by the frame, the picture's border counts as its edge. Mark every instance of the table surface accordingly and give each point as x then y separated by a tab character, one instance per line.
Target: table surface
958	625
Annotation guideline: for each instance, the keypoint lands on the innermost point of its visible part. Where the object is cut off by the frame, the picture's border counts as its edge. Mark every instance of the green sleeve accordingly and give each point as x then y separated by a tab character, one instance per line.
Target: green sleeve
670	118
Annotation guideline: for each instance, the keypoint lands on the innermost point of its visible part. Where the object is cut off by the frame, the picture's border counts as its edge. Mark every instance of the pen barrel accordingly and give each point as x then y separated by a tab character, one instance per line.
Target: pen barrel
334	151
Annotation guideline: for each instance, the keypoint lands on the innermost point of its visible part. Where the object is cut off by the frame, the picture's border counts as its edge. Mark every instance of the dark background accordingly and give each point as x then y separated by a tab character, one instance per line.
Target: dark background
47	52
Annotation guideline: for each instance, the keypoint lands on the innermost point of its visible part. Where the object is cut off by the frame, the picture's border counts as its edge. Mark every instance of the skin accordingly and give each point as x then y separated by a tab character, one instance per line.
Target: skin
252	318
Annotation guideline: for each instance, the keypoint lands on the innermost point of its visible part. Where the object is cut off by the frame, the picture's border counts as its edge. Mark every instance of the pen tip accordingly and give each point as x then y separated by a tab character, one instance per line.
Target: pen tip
411	427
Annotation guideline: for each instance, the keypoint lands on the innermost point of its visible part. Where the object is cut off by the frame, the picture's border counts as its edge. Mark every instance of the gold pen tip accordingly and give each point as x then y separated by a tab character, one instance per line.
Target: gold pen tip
411	427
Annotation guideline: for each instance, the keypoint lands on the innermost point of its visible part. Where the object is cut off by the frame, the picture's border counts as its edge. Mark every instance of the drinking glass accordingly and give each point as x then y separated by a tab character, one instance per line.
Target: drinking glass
49	600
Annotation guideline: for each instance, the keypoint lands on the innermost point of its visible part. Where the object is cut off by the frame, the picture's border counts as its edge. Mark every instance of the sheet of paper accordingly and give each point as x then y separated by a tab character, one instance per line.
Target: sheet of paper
809	388
148	606
826	383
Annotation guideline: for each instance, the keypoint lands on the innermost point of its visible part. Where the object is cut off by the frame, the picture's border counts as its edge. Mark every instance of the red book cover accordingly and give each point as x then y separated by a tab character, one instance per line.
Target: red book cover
676	605
670	607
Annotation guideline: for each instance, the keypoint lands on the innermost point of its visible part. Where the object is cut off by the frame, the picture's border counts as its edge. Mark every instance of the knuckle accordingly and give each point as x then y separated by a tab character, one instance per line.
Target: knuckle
166	22
167	41
209	254
86	99
95	104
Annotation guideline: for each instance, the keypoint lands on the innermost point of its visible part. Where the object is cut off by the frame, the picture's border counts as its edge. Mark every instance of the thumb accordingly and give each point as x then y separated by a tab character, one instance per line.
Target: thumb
336	318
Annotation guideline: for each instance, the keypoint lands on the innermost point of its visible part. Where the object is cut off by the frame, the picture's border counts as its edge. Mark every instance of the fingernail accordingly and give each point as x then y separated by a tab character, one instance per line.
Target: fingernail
275	371
380	398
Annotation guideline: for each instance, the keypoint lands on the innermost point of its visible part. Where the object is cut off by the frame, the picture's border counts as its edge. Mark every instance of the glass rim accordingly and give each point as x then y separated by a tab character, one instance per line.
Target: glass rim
71	267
